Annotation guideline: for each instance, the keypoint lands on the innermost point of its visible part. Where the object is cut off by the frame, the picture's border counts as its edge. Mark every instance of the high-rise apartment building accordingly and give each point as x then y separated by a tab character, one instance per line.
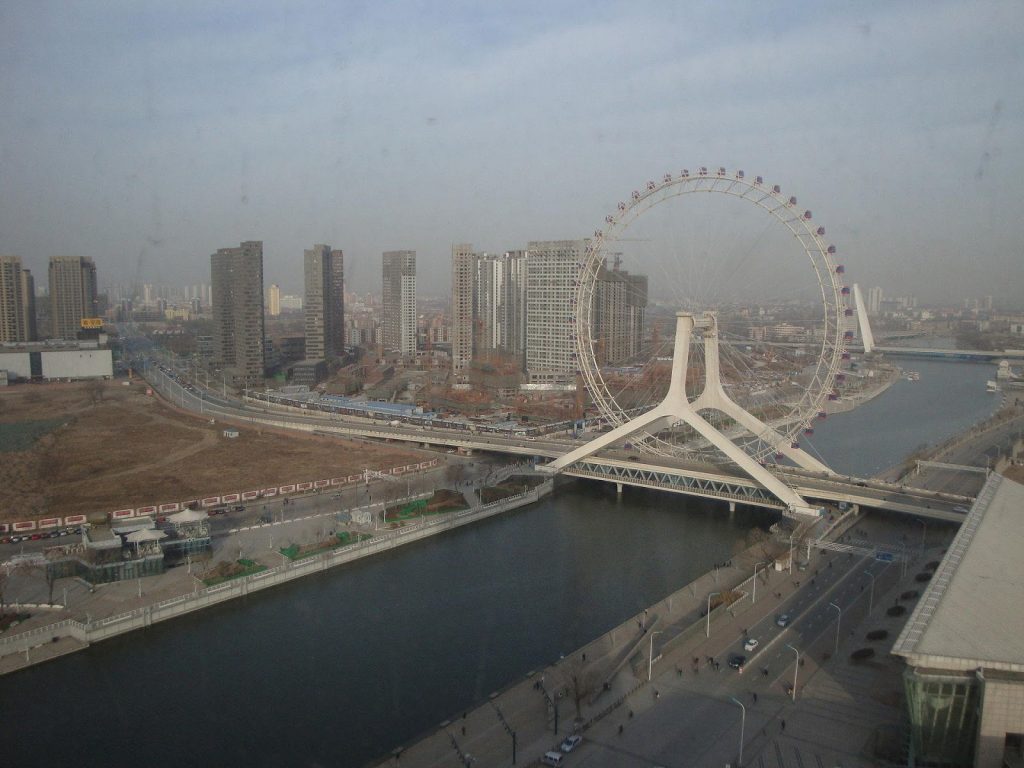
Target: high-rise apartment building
398	316
463	306
552	269
488	304
12	303
620	303
274	300
325	302
72	294
28	303
874	300
237	278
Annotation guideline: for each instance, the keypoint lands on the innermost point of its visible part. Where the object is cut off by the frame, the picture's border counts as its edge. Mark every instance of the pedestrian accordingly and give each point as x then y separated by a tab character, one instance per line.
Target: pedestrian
620	729
755	697
783	726
463	730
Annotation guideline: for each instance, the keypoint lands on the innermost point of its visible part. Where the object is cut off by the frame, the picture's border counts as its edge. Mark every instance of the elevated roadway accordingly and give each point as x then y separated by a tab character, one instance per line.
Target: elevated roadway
623	467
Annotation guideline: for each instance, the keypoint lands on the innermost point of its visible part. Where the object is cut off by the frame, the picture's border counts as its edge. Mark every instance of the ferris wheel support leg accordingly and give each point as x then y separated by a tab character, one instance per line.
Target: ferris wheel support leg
714	398
644	421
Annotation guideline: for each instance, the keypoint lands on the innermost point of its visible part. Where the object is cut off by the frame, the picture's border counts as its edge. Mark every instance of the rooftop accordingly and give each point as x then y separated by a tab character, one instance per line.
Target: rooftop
969	616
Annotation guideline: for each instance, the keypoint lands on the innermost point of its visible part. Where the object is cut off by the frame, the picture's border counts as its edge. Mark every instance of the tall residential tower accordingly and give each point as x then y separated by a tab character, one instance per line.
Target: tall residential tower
325	303
237	278
72	294
398	319
12	300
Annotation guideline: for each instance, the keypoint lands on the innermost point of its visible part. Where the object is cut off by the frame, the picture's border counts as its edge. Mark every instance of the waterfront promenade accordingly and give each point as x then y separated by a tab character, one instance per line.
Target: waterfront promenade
684	715
111	609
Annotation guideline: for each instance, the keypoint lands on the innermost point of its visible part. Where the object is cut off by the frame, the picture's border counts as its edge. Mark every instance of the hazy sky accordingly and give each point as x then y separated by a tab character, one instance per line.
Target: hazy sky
146	135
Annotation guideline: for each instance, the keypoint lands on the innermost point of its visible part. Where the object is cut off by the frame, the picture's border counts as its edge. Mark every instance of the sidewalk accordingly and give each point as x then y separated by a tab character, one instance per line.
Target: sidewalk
529	706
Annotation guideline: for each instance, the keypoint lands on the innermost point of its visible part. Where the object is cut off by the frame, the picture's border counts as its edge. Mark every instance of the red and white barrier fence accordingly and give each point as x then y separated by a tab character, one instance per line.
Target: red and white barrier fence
210	501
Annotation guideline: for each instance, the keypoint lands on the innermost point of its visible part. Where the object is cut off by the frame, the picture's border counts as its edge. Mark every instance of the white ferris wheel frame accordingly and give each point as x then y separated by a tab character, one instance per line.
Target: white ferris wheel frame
781	207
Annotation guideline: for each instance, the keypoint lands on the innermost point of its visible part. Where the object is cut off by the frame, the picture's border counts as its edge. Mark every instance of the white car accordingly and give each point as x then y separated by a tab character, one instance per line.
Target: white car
571	742
750	645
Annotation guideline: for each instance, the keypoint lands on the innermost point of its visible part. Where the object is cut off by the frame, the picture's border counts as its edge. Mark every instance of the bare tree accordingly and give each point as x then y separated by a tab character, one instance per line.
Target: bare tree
95	391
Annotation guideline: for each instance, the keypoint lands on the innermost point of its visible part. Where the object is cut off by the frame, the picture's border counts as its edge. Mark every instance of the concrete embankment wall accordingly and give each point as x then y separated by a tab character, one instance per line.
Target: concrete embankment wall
100	629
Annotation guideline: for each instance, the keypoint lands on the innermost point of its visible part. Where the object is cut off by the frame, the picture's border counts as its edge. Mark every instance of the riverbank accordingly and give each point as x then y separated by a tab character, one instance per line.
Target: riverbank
584	687
69	633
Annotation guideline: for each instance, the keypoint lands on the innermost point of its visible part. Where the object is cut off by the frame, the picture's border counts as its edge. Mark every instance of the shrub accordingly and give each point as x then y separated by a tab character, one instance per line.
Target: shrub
910	594
877	634
923	577
862	654
896	610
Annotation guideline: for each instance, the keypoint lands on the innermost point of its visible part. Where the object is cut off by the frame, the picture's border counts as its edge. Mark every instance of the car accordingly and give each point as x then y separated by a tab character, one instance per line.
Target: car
571	742
961	509
738	661
5	540
751	644
782	620
36	536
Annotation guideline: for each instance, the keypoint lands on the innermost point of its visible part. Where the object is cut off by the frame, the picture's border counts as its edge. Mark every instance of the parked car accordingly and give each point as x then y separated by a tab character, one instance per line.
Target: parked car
751	644
571	742
738	661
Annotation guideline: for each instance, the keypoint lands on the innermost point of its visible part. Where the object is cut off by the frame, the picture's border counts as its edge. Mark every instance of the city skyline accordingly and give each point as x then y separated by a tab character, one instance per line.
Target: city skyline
884	120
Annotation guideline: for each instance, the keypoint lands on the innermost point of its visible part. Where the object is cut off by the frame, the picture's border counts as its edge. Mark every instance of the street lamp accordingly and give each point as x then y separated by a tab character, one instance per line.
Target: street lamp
839	620
650	655
871	594
796	667
707	632
754	598
791	553
743	725
924	531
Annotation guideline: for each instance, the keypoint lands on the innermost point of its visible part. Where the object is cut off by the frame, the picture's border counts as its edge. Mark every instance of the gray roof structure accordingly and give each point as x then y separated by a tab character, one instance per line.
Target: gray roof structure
971	614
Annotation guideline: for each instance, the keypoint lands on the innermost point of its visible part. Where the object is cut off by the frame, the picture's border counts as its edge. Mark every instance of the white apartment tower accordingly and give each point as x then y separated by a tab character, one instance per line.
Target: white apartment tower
398	319
274	300
552	270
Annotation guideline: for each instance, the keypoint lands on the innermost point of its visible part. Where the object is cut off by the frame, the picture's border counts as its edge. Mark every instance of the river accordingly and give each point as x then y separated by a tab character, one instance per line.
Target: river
341	667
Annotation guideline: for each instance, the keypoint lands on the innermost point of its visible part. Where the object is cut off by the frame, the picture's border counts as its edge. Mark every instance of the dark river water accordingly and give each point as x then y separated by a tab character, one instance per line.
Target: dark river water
339	668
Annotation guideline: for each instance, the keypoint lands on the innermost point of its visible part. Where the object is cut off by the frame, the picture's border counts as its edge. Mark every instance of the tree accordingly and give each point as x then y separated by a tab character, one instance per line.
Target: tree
95	391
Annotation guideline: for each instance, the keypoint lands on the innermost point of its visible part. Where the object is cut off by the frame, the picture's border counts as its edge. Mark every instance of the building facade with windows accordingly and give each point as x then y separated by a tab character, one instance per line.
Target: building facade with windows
398	316
73	294
964	642
237	279
325	302
552	272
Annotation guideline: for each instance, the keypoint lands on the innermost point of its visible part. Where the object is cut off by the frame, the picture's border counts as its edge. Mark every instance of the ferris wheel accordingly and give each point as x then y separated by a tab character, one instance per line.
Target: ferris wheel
770	305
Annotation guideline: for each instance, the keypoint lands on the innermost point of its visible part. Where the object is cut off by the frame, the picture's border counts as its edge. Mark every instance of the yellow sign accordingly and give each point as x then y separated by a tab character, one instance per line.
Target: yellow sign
92	322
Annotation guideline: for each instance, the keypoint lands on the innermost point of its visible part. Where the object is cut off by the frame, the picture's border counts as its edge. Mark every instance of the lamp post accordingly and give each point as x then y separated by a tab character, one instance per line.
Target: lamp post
839	620
754	579
743	725
707	632
791	553
650	655
871	594
796	667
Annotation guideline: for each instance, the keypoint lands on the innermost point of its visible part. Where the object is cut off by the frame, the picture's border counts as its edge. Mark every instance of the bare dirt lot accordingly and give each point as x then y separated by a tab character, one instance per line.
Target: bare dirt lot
104	446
